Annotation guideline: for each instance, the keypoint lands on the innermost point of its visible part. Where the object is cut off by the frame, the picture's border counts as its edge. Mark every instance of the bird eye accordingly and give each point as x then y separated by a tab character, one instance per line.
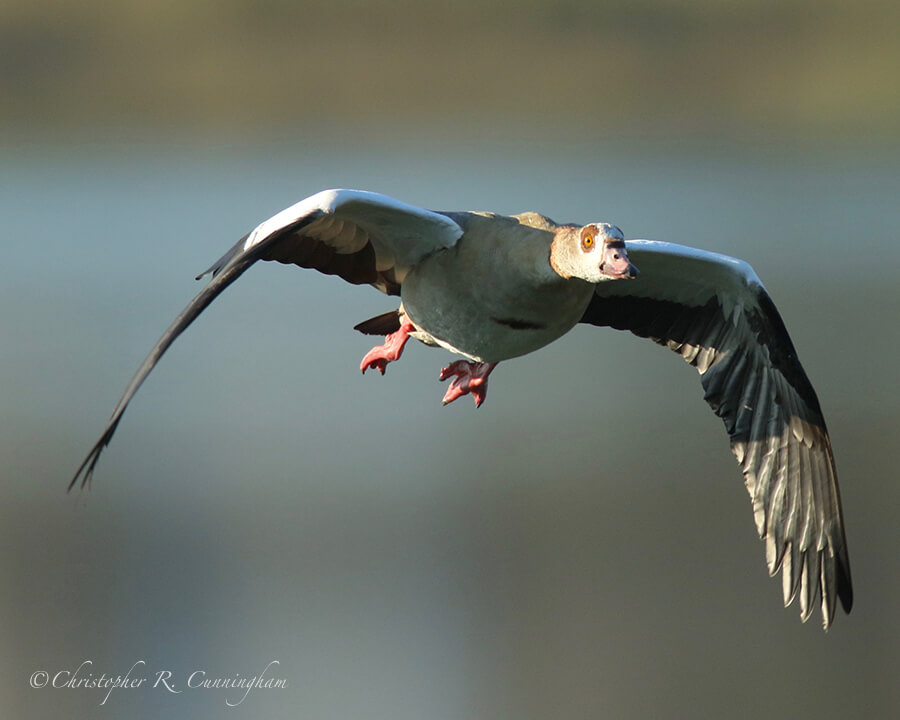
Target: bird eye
587	242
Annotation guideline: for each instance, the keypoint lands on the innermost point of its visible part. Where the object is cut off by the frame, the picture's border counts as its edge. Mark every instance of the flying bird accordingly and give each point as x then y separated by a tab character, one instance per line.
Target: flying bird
489	288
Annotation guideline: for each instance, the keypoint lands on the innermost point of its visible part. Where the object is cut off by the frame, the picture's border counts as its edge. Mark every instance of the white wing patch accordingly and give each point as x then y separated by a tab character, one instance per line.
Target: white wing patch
692	278
404	232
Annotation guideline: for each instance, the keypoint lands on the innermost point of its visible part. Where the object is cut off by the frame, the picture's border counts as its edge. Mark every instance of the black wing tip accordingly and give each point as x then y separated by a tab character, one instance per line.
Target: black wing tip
234	251
85	481
86	469
844	585
224	272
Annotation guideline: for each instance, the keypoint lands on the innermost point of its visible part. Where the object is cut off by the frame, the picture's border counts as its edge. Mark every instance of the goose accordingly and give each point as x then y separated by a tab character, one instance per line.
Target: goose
490	288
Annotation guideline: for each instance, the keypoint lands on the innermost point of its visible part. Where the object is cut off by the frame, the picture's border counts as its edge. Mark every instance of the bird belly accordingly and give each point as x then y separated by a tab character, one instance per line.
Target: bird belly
482	342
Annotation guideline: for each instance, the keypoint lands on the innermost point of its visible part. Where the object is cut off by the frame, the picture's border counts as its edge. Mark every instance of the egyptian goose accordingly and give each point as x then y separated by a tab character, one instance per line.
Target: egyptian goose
490	288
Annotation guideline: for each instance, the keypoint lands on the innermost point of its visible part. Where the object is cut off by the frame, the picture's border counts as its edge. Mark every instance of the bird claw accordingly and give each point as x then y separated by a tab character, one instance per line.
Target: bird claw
470	379
374	362
379	356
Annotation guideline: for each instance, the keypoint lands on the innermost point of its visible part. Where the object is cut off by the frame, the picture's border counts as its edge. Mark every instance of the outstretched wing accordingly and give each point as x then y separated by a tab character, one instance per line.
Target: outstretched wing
714	311
362	237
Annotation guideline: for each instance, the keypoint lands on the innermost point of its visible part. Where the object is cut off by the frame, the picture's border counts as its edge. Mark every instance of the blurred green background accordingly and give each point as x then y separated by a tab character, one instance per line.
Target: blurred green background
582	545
771	69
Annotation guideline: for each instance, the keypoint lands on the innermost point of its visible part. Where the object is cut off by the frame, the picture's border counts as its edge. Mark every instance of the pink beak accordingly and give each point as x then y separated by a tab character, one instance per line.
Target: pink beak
614	262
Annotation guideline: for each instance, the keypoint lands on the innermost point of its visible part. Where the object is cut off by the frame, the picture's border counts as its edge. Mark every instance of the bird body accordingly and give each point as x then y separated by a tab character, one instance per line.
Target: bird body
453	307
491	288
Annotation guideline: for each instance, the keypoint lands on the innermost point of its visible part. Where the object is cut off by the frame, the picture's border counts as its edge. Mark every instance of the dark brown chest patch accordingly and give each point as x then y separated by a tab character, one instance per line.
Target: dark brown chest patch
517	324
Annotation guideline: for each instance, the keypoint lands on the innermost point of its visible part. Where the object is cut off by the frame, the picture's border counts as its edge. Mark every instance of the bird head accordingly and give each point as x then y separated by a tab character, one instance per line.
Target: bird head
595	253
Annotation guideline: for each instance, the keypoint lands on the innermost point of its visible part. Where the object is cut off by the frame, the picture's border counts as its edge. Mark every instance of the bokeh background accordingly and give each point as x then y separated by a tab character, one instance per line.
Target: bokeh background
582	546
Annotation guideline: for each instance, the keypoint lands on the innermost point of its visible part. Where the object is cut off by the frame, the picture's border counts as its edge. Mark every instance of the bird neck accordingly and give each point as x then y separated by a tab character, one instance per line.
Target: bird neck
561	259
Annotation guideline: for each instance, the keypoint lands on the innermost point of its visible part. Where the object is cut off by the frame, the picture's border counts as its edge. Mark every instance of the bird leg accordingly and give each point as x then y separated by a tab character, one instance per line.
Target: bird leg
378	357
471	379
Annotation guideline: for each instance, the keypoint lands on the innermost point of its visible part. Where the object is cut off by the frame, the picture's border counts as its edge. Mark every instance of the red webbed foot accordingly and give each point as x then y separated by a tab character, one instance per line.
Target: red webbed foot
471	379
378	357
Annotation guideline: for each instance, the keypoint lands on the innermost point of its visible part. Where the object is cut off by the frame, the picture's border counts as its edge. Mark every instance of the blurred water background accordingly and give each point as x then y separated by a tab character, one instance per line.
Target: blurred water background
582	546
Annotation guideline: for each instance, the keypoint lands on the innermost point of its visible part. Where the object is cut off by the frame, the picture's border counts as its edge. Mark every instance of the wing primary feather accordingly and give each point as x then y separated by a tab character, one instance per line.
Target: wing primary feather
775	530
827	583
233	252
793	475
764	445
228	269
793	565
809	584
737	380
